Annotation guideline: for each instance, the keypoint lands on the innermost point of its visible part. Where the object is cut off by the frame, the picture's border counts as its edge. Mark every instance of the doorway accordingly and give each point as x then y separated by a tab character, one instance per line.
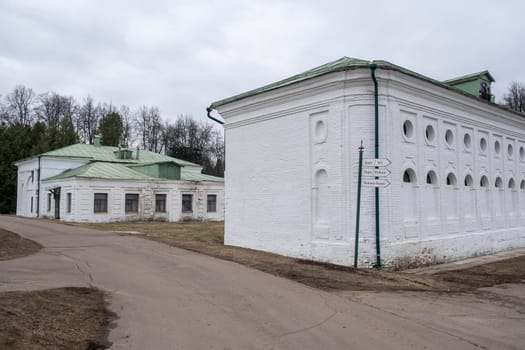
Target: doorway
56	197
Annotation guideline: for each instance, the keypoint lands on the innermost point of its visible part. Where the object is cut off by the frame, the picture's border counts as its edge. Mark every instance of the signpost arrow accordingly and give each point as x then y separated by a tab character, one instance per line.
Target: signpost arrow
376	162
375	182
373	172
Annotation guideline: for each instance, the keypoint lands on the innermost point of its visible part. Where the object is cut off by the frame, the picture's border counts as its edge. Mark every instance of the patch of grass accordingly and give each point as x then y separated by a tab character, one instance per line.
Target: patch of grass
62	318
13	246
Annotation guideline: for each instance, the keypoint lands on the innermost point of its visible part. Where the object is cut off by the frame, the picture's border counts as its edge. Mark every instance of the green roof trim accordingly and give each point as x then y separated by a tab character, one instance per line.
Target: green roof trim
348	63
102	170
344	63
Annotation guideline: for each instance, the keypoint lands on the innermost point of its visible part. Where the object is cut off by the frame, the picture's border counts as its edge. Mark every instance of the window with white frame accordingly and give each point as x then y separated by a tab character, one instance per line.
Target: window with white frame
49	202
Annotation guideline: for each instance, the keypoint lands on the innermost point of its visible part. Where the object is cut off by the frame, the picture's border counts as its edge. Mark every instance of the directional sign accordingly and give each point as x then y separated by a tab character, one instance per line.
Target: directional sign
376	162
375	182
379	172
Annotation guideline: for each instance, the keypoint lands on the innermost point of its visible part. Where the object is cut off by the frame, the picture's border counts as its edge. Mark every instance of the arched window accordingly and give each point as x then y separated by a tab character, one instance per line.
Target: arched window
321	196
409	176
468	181
451	179
512	184
431	178
498	183
484	182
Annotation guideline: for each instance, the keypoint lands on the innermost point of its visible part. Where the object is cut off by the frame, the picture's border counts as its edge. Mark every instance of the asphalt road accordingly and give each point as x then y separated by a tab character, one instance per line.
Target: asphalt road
169	298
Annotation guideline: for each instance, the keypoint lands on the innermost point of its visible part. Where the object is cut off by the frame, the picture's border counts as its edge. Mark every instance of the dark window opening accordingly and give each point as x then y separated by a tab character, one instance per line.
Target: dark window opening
187	203
132	203
68	203
160	203
100	204
211	203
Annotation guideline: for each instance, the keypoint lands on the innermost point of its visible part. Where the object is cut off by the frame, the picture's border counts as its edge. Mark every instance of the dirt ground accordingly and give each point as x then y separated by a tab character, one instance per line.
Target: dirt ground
63	318
208	238
13	246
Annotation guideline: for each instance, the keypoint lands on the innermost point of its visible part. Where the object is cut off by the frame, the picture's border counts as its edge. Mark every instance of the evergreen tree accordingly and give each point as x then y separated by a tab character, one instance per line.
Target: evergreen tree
111	129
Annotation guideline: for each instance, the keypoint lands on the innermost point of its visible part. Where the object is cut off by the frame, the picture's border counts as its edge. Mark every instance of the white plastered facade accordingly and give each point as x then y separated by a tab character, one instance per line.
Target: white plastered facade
291	171
80	192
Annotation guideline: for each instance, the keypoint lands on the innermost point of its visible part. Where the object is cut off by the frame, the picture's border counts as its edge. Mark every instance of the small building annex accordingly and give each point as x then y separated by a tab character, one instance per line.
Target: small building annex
457	175
95	183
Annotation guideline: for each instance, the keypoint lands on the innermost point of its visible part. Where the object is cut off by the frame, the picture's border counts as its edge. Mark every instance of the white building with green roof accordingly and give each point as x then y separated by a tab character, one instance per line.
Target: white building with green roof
95	183
455	186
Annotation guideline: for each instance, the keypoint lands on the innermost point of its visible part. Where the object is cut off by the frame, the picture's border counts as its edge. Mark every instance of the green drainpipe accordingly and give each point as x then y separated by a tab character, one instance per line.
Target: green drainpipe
373	68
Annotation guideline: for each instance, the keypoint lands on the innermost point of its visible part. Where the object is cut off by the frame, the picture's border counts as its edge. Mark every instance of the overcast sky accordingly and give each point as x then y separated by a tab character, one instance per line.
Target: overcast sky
183	55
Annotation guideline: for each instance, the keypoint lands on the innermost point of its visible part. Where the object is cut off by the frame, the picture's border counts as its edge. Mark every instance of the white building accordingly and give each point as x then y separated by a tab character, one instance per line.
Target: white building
94	183
457	183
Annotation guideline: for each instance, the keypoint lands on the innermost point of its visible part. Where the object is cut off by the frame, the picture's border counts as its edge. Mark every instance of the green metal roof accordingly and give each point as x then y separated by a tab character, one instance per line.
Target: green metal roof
192	176
344	63
102	170
348	63
120	171
469	77
109	154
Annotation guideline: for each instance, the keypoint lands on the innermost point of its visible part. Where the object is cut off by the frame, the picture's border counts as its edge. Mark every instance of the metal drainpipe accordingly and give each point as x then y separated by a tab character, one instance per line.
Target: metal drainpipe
373	68
38	190
209	109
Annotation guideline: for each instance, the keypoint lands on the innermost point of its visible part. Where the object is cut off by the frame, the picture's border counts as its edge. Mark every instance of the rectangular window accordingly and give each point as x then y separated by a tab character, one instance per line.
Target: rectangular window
31	204
160	203
132	203
49	202
101	203
187	203
211	203
68	203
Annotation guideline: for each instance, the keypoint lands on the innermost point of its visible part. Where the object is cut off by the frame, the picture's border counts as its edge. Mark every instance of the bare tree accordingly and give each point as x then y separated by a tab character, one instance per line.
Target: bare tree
515	97
87	122
19	105
58	113
148	123
127	137
4	115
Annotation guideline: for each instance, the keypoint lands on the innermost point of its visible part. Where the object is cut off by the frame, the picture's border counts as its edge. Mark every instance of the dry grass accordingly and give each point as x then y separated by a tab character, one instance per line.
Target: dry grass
13	246
63	318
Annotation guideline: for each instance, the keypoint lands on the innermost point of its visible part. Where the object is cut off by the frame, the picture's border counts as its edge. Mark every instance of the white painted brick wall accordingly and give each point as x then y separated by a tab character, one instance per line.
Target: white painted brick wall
274	153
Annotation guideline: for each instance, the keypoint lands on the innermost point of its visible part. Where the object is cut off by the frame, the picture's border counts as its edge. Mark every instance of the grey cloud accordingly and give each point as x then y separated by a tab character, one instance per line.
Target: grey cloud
182	55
